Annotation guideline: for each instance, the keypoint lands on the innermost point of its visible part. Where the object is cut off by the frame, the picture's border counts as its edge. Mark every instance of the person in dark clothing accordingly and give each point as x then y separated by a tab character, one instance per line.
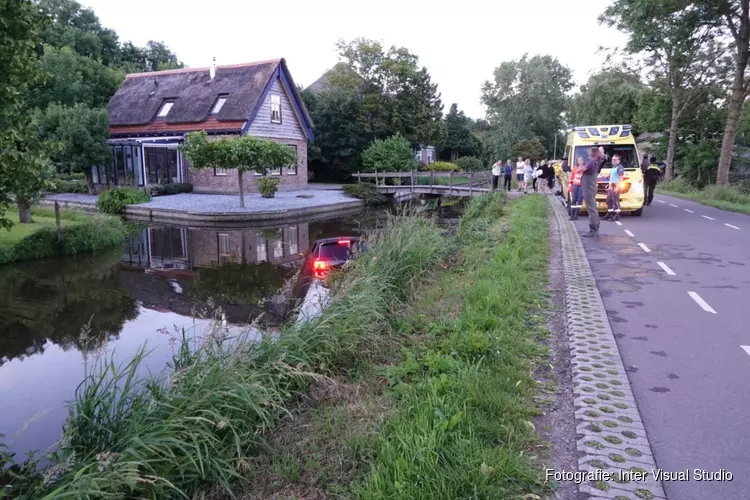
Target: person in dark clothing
651	178
550	177
508	174
588	184
536	176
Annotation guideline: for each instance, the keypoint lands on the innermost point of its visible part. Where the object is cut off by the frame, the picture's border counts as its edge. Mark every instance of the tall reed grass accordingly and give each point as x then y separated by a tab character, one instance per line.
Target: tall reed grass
198	428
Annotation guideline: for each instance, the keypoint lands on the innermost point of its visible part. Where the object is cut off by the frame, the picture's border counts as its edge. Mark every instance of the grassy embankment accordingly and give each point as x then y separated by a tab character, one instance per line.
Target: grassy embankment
405	387
81	232
730	198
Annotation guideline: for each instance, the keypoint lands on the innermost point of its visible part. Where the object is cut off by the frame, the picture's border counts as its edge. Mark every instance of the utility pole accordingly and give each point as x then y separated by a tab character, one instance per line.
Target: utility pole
554	156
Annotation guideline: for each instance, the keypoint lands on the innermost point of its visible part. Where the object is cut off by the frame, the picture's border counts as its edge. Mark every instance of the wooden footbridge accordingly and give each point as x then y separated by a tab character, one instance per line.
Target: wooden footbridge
431	182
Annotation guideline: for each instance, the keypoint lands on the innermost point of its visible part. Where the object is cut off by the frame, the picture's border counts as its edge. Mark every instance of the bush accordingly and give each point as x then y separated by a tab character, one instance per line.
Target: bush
268	186
389	155
69	186
85	233
441	166
114	201
366	192
167	189
470	164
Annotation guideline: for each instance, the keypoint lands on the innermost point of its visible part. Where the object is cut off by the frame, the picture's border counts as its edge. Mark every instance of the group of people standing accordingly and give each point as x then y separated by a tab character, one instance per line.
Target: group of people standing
527	175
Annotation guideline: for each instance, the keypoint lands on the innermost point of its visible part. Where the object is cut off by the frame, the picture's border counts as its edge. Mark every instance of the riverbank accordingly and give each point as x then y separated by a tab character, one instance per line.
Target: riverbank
81	233
423	417
726	198
419	323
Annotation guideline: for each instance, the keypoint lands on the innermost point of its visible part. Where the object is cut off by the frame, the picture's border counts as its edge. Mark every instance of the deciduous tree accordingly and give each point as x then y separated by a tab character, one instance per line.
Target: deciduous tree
394	154
680	47
608	97
525	100
82	134
532	149
245	153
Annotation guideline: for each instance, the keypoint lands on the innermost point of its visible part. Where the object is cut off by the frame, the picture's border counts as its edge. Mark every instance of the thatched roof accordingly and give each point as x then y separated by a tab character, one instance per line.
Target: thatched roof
141	95
321	83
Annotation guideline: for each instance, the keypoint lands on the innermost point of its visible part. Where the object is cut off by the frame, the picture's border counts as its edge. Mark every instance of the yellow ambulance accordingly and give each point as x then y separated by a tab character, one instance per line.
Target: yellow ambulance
616	140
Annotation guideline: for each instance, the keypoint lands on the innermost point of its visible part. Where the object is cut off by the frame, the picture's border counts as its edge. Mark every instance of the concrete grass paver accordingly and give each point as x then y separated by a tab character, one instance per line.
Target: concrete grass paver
610	436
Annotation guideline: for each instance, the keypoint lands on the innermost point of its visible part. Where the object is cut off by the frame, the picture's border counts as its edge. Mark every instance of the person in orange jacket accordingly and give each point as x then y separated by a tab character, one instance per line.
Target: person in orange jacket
576	197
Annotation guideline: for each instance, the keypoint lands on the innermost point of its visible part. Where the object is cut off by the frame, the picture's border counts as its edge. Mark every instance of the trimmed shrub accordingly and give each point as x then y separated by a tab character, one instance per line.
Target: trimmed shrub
389	155
114	201
470	164
268	186
167	189
441	166
366	192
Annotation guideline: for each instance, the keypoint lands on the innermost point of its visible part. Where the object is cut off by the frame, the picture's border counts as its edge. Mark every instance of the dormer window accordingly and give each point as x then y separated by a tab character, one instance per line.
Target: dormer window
165	108
219	104
275	109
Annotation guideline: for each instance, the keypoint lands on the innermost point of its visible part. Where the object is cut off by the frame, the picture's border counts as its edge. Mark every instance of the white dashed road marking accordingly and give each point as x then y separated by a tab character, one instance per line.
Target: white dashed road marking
666	268
644	247
707	217
660	201
629	233
688	210
673	205
729	225
746	348
704	305
618	223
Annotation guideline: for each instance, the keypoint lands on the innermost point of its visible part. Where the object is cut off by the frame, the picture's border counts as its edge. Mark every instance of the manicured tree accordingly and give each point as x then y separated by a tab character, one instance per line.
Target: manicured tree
245	153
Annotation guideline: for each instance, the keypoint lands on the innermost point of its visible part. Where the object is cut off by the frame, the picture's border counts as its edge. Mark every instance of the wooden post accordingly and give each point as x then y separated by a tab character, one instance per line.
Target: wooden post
432	177
359	177
59	228
413	177
376	177
450	184
471	182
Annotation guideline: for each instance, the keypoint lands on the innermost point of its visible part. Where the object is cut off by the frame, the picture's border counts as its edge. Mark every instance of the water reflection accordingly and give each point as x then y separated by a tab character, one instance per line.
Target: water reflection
162	279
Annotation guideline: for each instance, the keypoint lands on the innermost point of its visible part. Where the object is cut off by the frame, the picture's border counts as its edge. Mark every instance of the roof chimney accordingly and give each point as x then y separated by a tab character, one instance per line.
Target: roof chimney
212	70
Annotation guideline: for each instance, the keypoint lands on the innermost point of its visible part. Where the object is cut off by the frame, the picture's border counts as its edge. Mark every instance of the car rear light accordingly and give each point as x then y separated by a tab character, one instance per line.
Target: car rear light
344	242
320	265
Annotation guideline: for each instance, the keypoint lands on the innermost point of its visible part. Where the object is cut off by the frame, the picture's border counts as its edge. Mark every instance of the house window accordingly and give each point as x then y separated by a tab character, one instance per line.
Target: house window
223	241
275	109
293	239
165	108
219	104
275	171
292	169
429	157
220	172
419	155
261	249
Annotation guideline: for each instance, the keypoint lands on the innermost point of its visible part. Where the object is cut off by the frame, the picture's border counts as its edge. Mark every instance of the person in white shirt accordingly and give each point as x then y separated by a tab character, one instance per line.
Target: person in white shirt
520	166
528	174
497	170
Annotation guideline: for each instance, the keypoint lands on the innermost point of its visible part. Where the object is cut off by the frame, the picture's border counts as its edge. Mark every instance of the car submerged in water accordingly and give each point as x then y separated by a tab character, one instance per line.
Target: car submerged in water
329	254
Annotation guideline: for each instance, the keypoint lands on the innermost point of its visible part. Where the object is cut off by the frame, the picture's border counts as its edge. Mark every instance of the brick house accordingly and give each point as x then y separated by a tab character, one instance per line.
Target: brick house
150	114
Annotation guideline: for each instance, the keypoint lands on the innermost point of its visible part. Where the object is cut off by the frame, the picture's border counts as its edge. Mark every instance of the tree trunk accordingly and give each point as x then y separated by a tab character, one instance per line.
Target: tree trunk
730	131
24	212
242	189
89	181
454	155
672	145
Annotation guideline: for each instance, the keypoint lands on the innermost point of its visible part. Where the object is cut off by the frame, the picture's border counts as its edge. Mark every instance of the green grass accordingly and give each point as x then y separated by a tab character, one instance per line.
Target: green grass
727	198
462	424
81	232
201	428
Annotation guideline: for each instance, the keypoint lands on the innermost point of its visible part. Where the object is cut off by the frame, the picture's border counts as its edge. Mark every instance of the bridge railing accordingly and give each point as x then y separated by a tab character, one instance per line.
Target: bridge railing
443	180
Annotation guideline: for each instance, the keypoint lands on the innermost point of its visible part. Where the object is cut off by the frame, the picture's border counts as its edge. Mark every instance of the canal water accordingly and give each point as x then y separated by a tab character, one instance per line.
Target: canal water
58	316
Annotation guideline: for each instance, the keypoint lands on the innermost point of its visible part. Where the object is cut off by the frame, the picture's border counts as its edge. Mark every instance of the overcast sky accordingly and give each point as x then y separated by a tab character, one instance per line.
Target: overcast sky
460	42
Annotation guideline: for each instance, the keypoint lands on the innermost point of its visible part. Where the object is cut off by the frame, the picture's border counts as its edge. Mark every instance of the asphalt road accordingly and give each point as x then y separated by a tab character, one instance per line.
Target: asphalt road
676	286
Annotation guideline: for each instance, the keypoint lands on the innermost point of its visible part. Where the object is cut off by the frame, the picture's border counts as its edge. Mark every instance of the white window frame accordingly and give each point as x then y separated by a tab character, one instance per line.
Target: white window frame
220	172
275	171
419	155
275	108
429	157
165	109
220	101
